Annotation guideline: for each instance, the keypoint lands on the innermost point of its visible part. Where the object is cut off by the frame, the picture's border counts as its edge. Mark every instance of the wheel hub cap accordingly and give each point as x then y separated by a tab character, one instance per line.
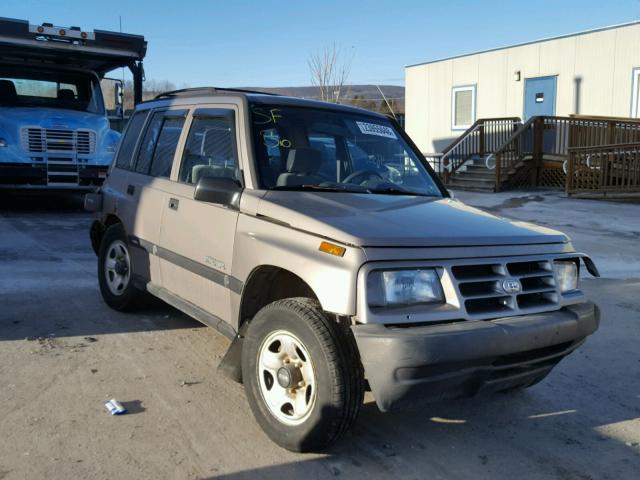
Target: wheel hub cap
286	377
117	268
121	267
289	376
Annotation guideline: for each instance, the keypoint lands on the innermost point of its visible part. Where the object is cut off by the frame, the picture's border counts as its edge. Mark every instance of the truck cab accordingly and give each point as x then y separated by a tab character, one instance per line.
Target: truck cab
54	128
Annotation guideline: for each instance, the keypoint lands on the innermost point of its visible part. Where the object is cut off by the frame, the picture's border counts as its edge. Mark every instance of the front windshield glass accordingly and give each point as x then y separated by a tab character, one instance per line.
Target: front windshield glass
300	148
44	88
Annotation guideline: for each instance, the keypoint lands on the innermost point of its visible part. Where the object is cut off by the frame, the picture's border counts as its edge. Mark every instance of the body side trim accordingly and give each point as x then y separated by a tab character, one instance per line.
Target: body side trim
216	276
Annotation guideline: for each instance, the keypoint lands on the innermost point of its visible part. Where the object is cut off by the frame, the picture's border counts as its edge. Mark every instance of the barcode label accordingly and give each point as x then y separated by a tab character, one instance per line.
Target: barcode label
375	129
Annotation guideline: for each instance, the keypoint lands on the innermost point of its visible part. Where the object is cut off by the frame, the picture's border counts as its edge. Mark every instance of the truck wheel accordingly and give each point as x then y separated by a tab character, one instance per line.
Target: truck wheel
114	270
302	375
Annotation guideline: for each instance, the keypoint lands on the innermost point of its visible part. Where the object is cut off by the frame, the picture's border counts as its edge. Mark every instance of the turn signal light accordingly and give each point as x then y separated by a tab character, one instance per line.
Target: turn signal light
332	249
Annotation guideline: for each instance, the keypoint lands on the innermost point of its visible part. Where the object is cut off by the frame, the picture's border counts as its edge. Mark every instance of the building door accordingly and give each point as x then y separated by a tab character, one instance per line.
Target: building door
539	96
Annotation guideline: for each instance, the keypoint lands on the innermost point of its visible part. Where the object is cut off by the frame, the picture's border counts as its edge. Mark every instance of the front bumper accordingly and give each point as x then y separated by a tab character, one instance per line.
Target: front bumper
461	359
38	175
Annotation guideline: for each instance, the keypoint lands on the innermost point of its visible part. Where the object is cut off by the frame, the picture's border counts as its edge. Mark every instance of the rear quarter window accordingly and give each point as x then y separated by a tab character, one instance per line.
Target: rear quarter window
145	153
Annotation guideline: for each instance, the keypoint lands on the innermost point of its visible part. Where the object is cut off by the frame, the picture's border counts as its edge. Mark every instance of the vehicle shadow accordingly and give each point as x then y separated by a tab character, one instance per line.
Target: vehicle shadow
505	436
87	317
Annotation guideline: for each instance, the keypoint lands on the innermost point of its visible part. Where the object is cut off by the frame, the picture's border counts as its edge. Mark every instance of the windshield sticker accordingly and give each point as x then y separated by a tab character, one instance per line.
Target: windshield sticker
271	139
265	117
375	129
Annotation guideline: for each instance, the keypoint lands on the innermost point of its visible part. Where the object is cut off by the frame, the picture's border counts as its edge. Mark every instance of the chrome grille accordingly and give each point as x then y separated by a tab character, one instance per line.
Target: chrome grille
483	293
40	140
85	141
32	140
59	140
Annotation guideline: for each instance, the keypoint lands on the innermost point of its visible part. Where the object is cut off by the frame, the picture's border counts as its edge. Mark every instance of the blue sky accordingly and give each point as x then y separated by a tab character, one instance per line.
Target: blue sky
267	43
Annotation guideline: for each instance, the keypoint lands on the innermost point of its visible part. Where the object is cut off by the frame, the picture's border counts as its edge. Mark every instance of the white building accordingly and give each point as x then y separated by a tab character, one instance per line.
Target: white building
595	72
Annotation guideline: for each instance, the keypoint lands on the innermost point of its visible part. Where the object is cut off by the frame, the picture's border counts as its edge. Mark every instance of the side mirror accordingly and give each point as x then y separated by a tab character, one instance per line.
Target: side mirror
119	98
223	191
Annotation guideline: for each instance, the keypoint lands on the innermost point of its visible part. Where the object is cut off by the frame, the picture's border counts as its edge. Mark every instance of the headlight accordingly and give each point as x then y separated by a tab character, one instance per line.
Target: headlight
567	275
112	148
395	288
3	142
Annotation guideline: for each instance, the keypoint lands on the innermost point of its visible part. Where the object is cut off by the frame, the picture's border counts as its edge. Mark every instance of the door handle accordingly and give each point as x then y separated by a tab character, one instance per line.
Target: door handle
130	189
173	203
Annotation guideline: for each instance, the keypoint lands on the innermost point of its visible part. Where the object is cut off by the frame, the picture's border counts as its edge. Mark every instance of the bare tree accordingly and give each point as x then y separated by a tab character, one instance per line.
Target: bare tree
330	72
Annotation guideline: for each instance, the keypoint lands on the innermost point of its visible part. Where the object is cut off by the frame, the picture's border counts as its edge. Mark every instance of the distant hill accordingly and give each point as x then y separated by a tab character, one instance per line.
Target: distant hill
367	96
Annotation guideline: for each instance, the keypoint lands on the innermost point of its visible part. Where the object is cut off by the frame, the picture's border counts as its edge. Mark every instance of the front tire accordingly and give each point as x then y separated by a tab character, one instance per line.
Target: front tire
302	376
115	275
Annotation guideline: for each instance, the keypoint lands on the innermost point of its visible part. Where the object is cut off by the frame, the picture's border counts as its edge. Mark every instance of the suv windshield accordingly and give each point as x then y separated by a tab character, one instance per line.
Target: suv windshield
24	87
299	148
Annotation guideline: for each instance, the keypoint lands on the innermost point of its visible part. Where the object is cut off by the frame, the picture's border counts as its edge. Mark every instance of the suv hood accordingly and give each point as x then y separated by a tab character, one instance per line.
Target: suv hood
368	220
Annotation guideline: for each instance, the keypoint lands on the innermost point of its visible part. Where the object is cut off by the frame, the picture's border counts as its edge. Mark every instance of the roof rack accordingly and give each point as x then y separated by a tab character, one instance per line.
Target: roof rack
206	90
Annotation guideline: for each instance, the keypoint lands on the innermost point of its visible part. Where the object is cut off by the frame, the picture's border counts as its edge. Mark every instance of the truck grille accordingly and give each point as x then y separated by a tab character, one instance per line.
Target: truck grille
485	288
42	140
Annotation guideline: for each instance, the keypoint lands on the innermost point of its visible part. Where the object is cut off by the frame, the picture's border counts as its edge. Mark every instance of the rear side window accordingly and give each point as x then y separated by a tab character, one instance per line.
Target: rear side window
145	154
129	140
166	146
210	150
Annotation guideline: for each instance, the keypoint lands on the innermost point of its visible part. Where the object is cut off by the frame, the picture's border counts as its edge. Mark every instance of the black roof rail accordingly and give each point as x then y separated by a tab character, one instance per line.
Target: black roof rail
206	90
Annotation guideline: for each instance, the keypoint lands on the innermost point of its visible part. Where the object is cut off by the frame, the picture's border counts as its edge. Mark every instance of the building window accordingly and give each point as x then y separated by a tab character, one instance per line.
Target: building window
635	93
463	107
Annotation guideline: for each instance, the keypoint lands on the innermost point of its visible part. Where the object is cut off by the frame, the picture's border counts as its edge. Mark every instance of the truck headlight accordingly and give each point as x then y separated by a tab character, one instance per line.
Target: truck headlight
3	143
394	288
566	274
111	148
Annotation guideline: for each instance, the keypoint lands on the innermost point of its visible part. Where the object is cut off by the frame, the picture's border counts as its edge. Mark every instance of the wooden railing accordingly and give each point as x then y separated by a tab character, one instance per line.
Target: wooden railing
435	160
514	150
481	138
604	169
521	158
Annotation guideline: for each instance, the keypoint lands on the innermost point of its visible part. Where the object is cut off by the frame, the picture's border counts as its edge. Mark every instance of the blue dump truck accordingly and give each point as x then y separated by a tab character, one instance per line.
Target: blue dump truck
55	130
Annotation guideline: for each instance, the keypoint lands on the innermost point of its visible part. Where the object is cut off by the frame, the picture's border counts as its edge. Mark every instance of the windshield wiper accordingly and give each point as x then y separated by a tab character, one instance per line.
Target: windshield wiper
399	191
338	187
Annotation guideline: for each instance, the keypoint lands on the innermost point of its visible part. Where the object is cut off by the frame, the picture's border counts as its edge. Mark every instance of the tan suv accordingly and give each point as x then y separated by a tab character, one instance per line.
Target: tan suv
319	240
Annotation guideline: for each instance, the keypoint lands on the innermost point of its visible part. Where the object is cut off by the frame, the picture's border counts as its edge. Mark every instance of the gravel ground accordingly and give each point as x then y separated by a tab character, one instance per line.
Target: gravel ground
63	353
